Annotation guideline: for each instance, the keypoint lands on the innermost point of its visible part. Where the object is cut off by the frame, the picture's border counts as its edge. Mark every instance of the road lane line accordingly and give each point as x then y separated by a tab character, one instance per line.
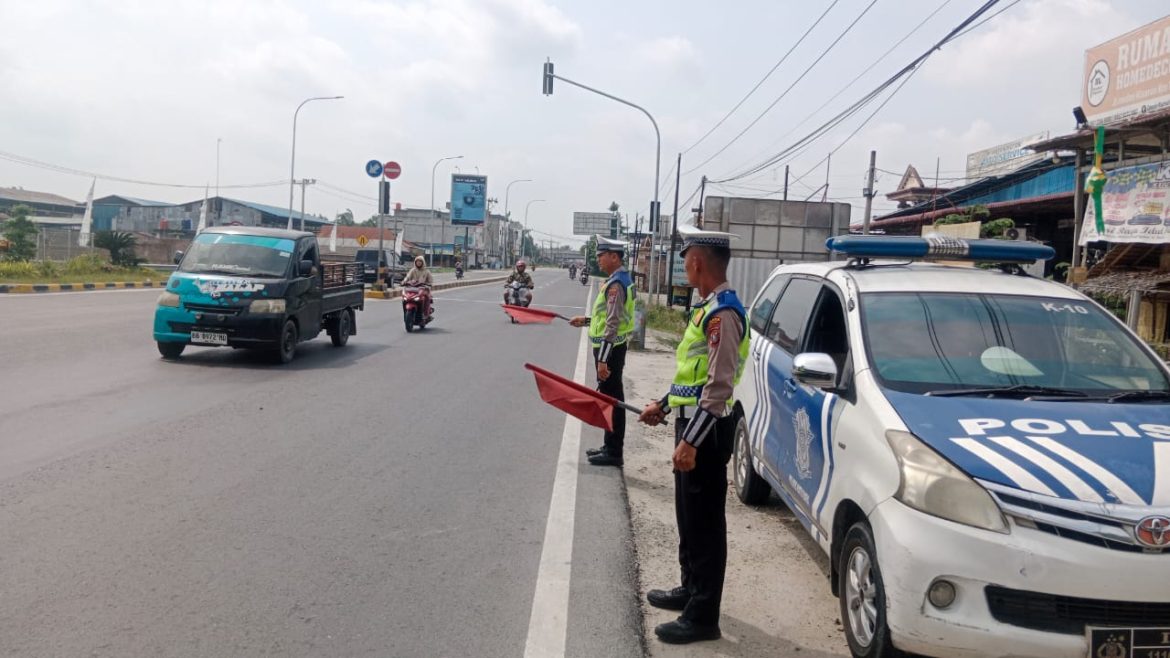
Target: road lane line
548	624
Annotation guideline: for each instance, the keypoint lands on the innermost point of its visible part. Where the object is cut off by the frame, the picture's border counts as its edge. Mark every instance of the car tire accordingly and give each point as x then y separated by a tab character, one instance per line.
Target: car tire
408	320
171	351
862	596
342	328
286	349
749	486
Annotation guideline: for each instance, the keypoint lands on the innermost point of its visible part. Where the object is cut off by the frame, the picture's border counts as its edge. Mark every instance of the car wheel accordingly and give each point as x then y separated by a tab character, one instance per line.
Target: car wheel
287	348
749	486
341	331
862	596
171	351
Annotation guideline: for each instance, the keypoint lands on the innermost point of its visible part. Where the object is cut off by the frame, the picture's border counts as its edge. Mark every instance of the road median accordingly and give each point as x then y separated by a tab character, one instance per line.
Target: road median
28	288
397	292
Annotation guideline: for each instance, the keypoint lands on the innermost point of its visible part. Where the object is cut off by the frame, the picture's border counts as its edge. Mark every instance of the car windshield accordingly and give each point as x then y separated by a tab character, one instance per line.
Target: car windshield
243	255
939	342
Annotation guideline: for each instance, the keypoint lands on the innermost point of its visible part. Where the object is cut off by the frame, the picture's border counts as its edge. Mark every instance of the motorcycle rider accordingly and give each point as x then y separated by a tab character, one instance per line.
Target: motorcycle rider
573	271
520	274
458	269
419	275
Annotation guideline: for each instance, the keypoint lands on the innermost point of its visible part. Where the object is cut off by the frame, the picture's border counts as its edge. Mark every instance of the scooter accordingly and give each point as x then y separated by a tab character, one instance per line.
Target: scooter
584	277
458	272
416	303
515	296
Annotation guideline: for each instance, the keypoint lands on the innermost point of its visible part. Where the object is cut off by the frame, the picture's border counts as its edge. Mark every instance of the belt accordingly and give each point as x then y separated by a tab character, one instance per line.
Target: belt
687	411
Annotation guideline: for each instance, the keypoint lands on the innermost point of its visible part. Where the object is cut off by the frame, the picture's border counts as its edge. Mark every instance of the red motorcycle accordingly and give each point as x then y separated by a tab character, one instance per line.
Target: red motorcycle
416	307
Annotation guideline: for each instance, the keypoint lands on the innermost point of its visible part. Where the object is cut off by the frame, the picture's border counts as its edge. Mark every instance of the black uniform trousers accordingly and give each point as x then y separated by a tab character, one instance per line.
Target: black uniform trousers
613	387
700	498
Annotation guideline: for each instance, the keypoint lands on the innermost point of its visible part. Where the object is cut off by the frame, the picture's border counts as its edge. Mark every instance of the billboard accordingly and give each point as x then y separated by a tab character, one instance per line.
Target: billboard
1136	204
592	223
1128	77
468	199
1003	158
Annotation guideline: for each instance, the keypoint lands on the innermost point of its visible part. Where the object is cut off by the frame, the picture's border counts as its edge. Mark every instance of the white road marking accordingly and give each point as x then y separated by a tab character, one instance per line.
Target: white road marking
496	303
548	624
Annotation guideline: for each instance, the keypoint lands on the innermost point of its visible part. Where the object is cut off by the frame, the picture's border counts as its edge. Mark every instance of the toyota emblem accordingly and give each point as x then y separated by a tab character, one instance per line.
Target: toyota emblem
1153	531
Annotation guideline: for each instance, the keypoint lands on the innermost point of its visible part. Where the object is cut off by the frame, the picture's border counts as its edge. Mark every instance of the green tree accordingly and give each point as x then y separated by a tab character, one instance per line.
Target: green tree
591	256
371	222
345	218
120	244
21	235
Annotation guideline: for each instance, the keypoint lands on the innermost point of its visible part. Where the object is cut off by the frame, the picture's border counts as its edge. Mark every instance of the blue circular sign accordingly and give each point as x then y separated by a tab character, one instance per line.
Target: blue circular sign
373	168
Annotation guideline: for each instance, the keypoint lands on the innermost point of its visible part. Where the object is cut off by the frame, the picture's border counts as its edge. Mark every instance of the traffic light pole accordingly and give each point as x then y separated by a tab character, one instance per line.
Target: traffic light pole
549	76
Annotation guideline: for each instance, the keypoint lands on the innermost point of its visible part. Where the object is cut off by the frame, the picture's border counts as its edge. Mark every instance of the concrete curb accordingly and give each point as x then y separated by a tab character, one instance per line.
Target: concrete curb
397	292
26	288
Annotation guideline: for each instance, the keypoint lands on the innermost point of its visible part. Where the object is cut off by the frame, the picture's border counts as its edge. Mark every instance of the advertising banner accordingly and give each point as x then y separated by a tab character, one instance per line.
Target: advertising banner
1004	158
468	199
592	223
1136	201
1128	77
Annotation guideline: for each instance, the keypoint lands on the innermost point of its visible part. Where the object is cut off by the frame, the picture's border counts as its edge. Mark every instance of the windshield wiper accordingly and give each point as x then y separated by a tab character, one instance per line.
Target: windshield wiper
1026	390
1139	396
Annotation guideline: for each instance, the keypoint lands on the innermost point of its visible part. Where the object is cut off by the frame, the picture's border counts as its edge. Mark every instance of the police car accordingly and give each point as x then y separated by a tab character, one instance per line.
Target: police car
984	456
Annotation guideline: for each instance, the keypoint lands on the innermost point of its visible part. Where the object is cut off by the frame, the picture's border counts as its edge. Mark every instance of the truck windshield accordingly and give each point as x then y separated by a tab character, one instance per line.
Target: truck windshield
935	342
242	255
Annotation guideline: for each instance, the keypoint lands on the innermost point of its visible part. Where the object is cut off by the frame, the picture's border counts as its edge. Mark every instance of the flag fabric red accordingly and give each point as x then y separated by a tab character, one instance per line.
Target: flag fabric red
578	401
528	315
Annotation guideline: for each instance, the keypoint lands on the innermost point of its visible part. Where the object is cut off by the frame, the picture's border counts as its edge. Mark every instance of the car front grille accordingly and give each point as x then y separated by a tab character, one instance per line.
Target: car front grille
213	309
1070	615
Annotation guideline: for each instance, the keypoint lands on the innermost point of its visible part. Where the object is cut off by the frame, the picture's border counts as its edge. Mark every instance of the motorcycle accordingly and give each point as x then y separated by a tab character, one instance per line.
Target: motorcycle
416	306
458	272
515	295
572	273
584	277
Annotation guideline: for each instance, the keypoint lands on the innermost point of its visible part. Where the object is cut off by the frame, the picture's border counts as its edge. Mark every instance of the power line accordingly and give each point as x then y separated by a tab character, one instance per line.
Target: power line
30	162
790	87
865	100
763	79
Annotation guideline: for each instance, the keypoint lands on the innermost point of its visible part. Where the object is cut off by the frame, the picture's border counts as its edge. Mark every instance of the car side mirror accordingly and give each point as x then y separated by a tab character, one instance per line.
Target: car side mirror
815	369
178	257
306	268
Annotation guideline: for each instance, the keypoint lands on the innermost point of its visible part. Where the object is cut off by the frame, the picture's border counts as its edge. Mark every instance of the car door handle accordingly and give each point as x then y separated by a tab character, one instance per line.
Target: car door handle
790	385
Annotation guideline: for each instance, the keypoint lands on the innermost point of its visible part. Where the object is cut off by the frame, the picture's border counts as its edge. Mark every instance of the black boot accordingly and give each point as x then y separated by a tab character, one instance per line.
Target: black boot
684	631
593	452
606	459
669	599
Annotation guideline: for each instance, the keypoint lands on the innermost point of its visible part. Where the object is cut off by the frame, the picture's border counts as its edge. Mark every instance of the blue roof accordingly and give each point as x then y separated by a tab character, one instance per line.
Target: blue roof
134	201
279	212
1039	179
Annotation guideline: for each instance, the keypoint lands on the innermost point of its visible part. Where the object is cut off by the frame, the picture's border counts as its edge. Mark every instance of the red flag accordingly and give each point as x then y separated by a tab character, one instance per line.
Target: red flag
574	399
526	315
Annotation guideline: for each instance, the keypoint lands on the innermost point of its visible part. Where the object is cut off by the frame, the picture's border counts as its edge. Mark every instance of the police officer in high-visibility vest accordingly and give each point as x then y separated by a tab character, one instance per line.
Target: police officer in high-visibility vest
610	325
710	361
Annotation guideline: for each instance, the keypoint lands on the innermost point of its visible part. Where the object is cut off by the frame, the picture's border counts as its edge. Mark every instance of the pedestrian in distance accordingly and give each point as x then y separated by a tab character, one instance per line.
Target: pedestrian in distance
611	324
710	360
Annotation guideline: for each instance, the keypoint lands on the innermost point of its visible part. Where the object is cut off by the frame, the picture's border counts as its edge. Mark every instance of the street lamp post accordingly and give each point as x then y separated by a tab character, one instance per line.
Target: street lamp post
526	221
292	176
507	190
219	204
549	76
433	169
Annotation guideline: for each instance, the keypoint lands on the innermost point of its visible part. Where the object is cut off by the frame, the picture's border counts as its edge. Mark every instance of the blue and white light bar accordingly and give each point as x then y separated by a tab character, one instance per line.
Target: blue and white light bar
945	248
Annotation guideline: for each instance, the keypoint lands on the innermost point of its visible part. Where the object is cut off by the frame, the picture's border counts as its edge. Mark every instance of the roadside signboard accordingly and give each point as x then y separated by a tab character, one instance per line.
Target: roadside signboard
468	199
391	170
1006	157
373	169
1129	77
1136	206
592	223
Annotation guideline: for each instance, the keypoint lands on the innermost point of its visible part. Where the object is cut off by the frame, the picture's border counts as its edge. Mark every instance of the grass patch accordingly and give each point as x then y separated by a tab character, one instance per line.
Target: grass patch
672	321
83	269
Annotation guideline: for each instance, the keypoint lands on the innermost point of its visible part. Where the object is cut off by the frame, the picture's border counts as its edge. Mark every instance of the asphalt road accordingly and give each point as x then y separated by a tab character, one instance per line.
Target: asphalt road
389	498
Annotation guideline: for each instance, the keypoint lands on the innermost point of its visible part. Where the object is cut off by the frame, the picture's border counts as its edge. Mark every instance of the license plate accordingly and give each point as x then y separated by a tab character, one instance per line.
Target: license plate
208	338
1129	642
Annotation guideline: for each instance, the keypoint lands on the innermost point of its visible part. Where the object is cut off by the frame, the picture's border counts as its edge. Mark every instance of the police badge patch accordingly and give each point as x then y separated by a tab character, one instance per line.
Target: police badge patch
802	429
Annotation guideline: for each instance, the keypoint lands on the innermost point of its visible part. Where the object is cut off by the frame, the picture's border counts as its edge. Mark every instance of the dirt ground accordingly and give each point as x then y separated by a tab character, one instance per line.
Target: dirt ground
776	599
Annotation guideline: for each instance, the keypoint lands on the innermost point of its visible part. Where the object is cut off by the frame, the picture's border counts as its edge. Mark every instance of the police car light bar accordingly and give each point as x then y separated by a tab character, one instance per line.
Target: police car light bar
902	247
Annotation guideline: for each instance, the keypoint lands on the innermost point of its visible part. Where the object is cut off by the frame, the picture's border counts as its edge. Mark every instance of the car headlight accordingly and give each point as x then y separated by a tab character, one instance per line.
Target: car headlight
169	299
266	306
933	485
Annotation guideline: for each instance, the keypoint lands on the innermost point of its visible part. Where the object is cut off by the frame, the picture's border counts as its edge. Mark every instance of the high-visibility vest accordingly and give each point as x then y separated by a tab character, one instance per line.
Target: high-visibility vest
626	323
690	374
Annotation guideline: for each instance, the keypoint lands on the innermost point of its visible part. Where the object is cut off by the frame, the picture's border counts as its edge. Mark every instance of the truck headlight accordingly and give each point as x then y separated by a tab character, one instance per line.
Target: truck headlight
266	306
933	485
168	299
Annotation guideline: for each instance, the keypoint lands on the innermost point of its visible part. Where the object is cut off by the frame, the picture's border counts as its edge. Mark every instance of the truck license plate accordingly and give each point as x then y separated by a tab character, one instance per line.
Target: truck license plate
208	338
1129	642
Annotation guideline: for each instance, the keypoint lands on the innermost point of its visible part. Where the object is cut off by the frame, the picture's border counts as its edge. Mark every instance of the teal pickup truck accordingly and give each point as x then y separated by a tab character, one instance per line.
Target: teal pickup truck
258	288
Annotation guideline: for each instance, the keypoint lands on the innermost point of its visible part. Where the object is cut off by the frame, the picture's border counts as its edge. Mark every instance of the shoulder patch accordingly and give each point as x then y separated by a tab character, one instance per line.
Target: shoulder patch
612	293
714	331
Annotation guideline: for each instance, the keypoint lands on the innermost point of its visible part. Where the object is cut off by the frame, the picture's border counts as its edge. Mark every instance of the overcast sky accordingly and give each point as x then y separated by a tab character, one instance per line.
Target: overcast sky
142	89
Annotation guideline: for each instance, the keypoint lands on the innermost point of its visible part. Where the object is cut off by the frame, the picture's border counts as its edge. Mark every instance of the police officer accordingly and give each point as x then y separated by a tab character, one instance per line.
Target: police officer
710	360
610	327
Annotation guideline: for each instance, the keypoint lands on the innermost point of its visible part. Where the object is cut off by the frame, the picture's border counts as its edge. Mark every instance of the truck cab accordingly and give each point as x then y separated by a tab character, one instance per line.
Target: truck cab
247	287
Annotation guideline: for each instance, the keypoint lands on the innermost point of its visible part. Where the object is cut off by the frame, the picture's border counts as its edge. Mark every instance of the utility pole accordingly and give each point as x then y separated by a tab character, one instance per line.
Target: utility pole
303	182
702	192
673	232
828	162
868	193
785	182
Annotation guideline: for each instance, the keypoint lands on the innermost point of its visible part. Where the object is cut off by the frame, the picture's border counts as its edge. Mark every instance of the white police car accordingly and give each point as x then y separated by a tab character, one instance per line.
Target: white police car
985	456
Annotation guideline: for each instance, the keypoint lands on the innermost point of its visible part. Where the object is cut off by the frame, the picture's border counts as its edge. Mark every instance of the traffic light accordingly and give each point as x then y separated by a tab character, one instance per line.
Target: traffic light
547	86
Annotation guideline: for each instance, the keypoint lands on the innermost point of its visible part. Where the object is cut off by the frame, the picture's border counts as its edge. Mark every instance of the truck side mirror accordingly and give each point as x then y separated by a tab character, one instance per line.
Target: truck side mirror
306	268
178	257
